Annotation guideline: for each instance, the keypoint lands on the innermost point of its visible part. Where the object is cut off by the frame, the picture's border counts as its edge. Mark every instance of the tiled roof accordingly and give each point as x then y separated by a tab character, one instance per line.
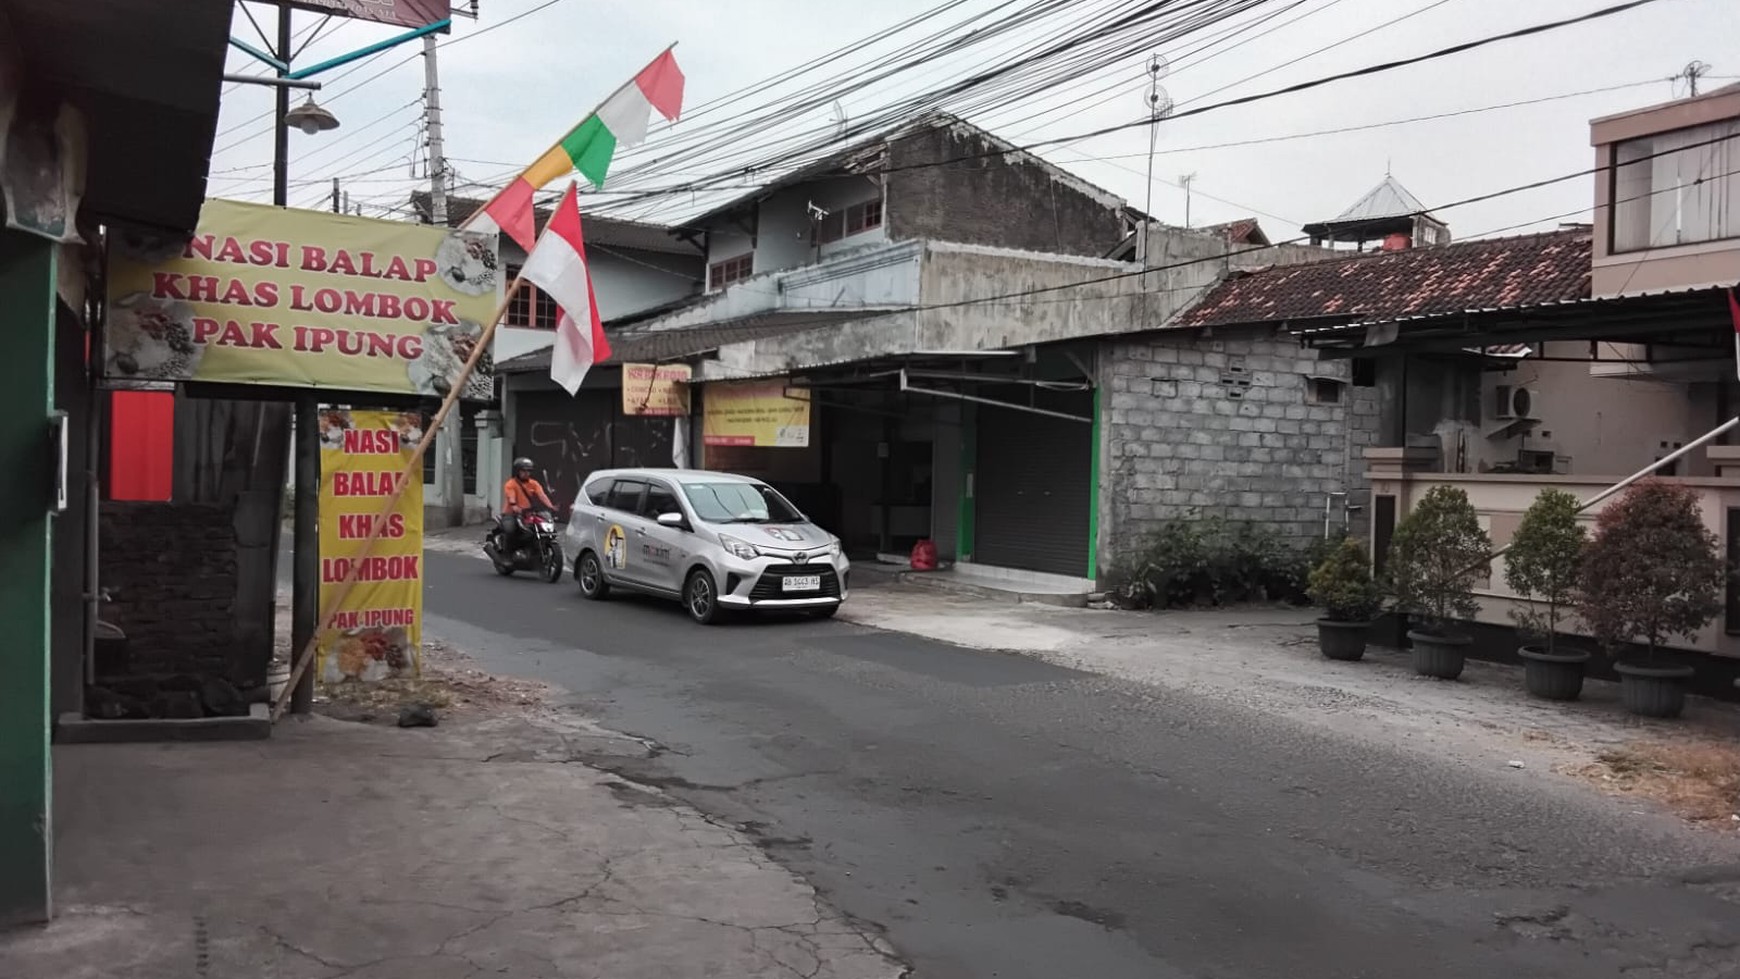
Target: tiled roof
1492	273
634	346
599	229
1244	231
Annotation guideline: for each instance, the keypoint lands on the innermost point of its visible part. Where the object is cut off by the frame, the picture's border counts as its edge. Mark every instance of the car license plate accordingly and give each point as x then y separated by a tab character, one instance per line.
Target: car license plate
802	582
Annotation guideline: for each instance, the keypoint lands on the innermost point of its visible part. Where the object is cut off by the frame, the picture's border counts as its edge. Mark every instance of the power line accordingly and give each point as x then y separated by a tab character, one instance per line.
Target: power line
1241	100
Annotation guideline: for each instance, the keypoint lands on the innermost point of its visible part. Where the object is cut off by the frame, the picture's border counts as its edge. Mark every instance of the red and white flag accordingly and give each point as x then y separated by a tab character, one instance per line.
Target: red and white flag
557	265
1734	312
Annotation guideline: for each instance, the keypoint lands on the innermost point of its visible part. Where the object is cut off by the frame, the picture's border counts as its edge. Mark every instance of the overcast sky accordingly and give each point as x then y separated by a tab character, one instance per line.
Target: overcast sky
508	92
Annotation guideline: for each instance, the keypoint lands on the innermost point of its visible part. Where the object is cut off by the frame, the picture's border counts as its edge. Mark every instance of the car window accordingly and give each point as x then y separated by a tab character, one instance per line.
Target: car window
596	491
625	495
660	500
739	503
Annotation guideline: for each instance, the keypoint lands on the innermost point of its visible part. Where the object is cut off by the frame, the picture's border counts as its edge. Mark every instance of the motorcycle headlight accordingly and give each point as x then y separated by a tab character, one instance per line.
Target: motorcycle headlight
738	548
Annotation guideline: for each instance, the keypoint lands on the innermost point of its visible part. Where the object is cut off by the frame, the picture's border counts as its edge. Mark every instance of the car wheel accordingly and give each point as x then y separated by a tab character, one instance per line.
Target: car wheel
701	597
826	613
590	574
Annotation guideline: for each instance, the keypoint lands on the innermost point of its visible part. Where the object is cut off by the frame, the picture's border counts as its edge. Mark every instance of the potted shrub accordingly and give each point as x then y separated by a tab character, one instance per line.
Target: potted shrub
1436	557
1541	567
1652	572
1342	586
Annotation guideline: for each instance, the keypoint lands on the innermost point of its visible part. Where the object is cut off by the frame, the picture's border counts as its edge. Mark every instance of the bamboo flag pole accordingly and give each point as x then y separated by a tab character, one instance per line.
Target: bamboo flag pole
558	143
412	467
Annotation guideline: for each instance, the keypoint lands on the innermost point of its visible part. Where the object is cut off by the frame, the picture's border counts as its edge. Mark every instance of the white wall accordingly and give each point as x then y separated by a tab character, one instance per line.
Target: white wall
1604	426
783	226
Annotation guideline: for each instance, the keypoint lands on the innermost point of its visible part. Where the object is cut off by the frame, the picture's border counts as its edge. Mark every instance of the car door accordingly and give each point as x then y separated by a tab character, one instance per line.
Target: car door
617	522
663	550
585	522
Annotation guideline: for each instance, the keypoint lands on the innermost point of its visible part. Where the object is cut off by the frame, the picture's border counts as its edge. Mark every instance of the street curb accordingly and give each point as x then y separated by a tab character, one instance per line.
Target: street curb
78	729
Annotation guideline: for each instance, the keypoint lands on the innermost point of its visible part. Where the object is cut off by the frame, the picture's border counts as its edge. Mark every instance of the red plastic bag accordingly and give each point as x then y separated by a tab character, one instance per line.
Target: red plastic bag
924	556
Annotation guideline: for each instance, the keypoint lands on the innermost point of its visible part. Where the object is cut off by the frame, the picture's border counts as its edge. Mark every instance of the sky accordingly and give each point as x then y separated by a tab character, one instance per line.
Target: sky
514	80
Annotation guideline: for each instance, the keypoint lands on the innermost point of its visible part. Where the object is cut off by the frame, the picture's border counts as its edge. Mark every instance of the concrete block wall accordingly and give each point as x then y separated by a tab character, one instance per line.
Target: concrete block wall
1225	426
171	569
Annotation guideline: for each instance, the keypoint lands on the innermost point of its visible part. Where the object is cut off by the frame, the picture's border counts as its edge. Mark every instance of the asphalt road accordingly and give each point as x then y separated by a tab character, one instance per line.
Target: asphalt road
999	816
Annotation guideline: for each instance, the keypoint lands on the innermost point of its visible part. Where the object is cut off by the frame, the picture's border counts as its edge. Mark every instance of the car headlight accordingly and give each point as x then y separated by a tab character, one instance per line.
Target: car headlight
738	548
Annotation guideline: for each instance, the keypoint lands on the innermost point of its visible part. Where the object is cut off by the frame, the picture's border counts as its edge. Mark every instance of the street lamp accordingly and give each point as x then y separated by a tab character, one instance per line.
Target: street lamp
310	118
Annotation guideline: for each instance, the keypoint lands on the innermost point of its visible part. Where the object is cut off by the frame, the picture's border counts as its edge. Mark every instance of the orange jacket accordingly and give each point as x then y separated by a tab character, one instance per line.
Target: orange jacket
517	496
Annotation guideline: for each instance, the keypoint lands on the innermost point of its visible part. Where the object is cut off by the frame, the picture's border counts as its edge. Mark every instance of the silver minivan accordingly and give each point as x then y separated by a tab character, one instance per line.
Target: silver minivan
717	542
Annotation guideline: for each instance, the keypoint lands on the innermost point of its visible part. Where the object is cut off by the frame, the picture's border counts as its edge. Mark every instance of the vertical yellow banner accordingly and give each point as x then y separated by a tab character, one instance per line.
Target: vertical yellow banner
379	629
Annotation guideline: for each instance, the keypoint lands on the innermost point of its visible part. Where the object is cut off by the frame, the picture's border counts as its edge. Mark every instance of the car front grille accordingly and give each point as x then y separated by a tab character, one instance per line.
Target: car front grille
770	586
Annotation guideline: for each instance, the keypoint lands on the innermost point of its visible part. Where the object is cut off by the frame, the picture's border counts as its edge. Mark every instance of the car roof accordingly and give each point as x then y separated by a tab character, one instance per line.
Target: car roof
681	475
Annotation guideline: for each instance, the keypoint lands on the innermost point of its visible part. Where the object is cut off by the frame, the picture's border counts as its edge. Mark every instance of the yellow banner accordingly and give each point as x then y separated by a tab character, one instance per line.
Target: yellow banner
757	413
379	628
655	389
266	295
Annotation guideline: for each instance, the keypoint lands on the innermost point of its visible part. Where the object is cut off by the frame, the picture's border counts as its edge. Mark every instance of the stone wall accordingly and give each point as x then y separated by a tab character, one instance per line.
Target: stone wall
1232	426
171	571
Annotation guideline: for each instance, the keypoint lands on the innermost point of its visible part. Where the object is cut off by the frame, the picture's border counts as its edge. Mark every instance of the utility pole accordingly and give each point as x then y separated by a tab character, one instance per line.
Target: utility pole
449	445
304	528
1185	181
335	196
1159	107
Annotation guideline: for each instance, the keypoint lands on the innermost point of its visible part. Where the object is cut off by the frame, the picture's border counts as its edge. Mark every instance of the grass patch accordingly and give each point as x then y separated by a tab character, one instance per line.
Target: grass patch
1698	779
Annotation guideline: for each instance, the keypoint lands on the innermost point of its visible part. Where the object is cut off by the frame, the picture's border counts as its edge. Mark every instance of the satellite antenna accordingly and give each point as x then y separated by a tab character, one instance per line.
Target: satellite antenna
1159	107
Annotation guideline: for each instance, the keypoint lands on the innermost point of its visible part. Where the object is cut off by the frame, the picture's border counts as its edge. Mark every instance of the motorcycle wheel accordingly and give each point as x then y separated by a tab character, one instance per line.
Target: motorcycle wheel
553	563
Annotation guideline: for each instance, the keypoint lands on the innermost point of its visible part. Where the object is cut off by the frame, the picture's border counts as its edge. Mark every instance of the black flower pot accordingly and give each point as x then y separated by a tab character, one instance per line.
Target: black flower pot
1439	655
1553	676
1343	641
1653	691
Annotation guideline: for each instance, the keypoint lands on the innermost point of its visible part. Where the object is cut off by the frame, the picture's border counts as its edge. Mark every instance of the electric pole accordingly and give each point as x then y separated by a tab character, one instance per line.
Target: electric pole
1159	107
449	446
1185	181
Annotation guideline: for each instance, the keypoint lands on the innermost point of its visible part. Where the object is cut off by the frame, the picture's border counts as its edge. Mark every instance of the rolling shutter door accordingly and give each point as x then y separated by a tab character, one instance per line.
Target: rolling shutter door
1032	490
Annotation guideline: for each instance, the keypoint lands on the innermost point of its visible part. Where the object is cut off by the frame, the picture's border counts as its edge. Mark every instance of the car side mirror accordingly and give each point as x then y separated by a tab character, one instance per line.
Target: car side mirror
676	520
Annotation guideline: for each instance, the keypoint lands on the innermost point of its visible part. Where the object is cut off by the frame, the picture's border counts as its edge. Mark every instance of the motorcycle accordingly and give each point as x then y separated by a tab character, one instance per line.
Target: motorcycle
540	549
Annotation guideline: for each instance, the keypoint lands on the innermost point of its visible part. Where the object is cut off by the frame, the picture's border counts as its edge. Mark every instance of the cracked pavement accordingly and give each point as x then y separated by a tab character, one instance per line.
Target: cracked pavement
999	815
348	851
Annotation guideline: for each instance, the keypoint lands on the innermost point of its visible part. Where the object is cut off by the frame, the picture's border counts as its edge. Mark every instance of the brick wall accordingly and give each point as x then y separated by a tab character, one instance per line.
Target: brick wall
171	569
1228	426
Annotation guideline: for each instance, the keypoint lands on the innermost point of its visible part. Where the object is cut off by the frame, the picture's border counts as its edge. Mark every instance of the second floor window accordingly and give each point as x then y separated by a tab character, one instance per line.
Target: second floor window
849	221
1677	188
530	308
722	274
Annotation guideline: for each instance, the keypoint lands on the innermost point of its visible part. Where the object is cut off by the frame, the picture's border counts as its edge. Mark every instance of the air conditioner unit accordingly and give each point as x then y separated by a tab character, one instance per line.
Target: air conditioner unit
1515	403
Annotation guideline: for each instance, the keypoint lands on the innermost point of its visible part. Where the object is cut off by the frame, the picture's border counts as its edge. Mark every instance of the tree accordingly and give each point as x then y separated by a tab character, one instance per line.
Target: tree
1652	571
1342	585
1543	561
1436	557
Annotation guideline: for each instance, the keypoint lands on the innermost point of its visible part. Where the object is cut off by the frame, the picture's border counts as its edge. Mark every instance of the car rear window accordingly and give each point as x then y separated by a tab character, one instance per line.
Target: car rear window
625	495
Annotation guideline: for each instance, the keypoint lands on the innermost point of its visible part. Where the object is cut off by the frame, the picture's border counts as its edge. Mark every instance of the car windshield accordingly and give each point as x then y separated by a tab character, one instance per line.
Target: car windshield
739	503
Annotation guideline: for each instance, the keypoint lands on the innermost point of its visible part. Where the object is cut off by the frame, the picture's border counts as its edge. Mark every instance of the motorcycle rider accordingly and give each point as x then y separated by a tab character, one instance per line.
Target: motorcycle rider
520	495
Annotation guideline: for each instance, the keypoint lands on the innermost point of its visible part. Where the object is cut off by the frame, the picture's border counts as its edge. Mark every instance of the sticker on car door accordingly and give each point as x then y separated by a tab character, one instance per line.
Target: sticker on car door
615	548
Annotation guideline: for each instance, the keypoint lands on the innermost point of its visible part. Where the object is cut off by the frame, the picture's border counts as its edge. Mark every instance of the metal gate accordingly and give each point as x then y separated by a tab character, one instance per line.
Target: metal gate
1033	483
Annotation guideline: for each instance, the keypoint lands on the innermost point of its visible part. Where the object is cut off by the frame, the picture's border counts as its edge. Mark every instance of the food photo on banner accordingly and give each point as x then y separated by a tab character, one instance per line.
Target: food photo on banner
307	299
377	632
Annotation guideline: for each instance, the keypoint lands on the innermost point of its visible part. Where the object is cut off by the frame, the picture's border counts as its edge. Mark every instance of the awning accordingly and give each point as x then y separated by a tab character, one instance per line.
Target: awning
147	76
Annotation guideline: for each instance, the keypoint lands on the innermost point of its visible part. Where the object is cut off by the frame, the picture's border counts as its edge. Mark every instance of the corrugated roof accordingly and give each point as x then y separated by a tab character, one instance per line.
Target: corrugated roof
1492	273
1389	199
599	229
635	346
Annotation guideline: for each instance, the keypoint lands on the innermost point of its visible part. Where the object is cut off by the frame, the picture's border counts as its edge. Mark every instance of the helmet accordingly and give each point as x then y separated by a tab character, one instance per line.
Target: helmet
522	463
